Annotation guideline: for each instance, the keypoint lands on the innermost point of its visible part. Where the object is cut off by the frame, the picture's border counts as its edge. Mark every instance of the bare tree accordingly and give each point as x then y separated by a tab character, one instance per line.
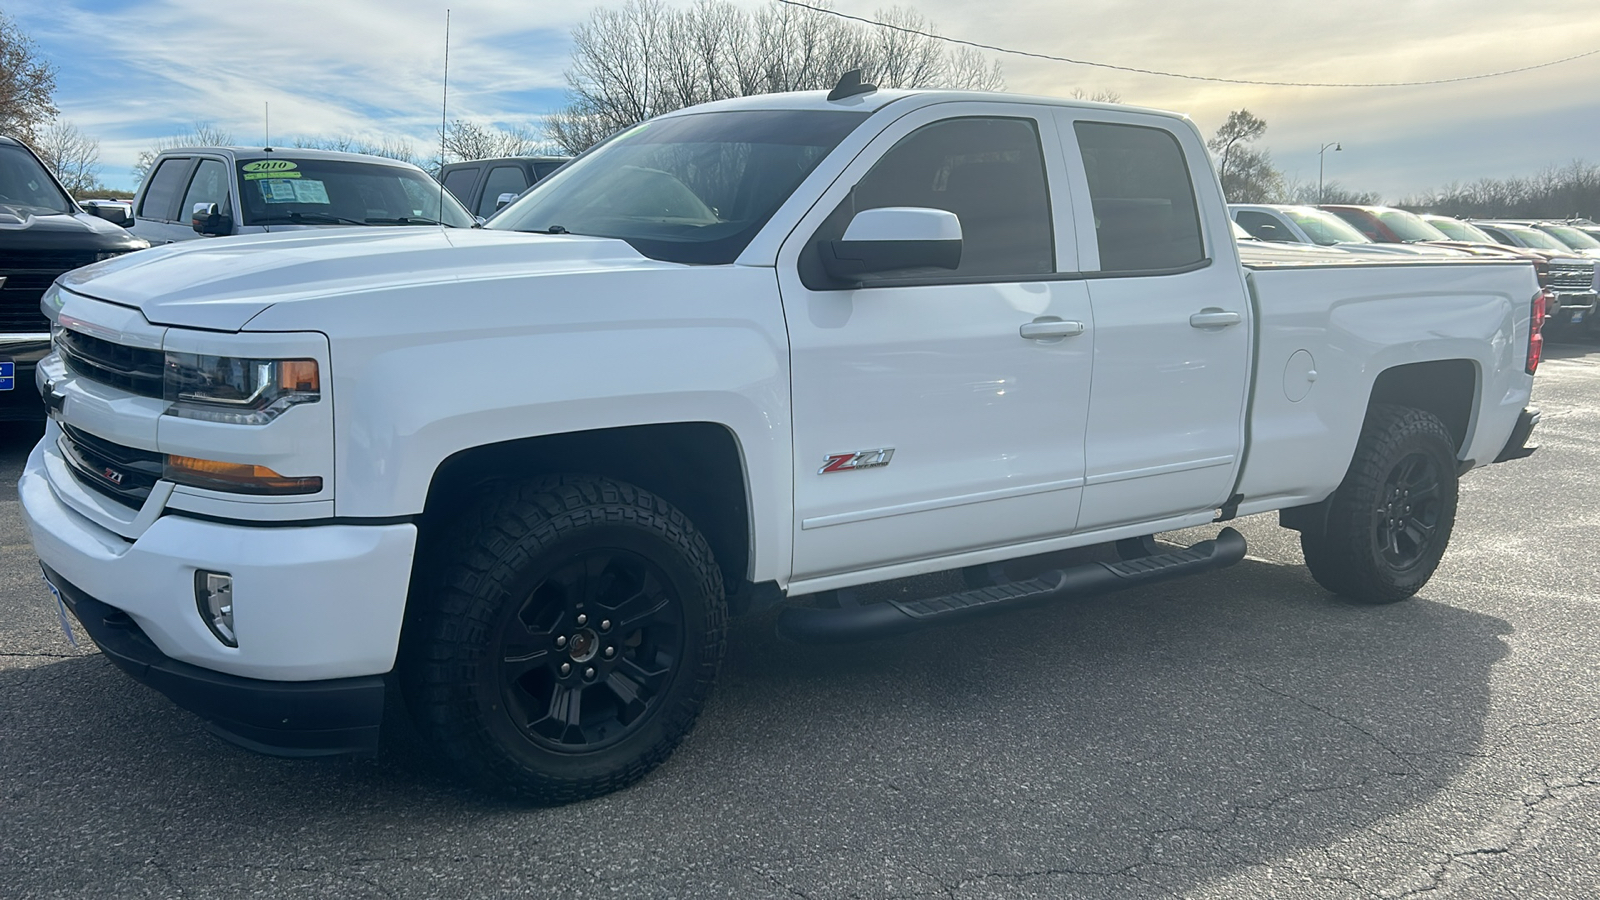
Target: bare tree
644	58
202	134
469	140
1102	96
1247	174
27	84
73	156
388	147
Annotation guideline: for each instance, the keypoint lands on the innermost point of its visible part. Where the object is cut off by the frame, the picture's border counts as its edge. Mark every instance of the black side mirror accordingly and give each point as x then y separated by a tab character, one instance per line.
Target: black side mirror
897	239
208	219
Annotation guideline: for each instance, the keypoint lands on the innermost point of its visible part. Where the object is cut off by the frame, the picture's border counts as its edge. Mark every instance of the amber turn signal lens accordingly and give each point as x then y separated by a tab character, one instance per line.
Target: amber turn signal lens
299	375
238	477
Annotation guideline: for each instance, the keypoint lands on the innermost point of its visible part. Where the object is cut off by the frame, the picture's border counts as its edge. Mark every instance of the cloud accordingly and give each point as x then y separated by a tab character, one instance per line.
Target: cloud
133	71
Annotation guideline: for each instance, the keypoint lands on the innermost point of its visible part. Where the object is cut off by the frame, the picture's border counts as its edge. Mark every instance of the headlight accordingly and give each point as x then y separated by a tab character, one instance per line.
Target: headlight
50	303
238	391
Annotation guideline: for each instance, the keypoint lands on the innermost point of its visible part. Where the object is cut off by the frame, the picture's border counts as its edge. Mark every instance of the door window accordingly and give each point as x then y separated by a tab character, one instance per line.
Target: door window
165	182
209	185
1263	227
460	182
988	171
1145	215
502	180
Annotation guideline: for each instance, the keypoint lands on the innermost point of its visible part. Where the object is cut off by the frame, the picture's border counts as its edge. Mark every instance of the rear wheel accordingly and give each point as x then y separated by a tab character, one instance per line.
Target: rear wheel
570	641
1390	520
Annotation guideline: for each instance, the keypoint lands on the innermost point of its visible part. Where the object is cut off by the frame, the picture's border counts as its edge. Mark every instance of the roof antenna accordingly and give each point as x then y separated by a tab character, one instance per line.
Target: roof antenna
850	85
266	128
444	105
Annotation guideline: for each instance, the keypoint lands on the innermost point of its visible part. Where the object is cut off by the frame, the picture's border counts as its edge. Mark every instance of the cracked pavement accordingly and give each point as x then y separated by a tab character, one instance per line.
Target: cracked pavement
1240	734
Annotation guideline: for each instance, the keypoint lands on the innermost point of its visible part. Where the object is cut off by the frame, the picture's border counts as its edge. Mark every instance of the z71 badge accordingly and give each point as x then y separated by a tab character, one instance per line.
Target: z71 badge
861	459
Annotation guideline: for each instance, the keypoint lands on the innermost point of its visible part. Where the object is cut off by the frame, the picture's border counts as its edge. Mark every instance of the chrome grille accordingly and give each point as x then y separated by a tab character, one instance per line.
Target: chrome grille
125	474
132	369
1572	276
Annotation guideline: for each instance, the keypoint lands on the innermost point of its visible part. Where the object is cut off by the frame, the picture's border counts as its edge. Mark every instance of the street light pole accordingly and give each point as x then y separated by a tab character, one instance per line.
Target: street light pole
1324	149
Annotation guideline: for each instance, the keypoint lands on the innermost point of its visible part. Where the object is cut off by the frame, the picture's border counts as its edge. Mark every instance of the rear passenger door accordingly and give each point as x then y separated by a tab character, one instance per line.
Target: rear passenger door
1172	326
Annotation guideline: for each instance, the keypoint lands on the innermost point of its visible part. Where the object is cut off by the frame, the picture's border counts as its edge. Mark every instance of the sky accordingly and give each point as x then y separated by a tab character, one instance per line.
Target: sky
131	72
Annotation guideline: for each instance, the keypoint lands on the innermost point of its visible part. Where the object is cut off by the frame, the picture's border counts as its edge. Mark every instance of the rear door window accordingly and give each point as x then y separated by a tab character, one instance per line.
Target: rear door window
1263	226
1146	218
165	183
460	181
502	180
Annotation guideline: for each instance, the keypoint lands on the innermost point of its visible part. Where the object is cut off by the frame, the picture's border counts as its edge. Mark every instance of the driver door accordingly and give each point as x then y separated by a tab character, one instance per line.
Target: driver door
926	424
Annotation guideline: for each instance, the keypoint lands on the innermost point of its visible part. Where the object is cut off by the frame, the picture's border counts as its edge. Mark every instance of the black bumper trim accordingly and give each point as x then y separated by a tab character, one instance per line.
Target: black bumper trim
279	718
1517	446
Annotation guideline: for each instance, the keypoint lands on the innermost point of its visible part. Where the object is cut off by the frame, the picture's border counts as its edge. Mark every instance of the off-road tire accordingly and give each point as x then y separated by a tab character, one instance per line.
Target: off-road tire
505	554
1348	556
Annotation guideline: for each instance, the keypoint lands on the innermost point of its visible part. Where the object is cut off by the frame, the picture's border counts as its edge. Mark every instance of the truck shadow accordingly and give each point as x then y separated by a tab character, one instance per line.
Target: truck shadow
1169	734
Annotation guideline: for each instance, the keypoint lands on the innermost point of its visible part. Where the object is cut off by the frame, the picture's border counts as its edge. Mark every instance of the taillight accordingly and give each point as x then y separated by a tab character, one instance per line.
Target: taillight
1535	332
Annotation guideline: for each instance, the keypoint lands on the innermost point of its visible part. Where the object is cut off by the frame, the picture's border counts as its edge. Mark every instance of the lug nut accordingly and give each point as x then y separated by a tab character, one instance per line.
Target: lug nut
588	673
561	641
566	668
605	624
610	652
582	618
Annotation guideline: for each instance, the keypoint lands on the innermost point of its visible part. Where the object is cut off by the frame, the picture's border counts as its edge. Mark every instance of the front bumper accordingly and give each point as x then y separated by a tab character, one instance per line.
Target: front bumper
311	602
283	718
1573	308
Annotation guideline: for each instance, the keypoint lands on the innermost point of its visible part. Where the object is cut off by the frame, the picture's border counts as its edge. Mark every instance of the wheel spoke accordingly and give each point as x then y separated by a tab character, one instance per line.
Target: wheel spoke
643	605
1420	532
651	680
595	580
627	692
519	661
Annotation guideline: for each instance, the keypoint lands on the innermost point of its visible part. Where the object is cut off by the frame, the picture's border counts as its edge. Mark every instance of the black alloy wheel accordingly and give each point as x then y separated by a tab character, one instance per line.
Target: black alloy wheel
588	654
565	639
1389	522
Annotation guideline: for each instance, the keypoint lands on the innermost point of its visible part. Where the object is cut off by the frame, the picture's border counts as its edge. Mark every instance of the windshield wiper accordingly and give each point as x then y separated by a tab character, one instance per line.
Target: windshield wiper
299	218
407	220
553	229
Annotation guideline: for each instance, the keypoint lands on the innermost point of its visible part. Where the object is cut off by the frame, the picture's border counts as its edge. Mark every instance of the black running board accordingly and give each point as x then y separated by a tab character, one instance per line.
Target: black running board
808	625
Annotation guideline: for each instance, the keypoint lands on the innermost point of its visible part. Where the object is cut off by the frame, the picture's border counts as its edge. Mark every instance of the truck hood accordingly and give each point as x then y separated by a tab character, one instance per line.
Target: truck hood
222	283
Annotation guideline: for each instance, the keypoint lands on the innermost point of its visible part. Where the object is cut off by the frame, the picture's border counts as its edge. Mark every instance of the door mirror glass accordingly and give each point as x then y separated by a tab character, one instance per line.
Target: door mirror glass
895	239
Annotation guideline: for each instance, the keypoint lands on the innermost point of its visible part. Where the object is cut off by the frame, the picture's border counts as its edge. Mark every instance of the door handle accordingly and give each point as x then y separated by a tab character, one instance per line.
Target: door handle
1046	328
1212	317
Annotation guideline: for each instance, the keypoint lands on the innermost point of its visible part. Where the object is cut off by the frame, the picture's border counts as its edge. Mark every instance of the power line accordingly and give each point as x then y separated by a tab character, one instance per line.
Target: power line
1100	65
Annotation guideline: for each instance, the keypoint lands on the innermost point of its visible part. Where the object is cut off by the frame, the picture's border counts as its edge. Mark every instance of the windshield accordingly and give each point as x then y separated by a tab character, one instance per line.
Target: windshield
1455	229
26	187
1325	228
290	191
1532	237
1570	236
1408	226
693	189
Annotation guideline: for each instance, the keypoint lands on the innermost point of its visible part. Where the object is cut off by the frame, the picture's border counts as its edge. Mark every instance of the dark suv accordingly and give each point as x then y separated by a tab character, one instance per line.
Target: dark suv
482	184
42	234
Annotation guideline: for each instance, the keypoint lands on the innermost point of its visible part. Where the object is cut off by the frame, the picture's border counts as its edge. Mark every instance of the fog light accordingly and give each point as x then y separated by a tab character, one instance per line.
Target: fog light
213	594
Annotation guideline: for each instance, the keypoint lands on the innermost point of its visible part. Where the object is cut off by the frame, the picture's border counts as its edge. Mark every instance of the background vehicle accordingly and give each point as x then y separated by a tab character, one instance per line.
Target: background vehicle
217	191
1573	282
1288	224
482	185
42	234
771	347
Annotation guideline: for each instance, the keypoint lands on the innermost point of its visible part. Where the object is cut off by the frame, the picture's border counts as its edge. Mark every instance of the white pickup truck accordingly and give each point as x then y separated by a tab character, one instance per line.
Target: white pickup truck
738	356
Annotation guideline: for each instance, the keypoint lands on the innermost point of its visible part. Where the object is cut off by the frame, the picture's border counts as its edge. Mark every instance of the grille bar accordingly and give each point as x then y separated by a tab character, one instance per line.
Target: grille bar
125	474
132	369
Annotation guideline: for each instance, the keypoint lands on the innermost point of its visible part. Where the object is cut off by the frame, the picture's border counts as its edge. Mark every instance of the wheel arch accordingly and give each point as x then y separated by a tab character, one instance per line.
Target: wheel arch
699	467
1447	388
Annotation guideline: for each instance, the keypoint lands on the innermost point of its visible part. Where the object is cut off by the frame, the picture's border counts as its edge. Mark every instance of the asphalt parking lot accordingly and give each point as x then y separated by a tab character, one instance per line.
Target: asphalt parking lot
1241	734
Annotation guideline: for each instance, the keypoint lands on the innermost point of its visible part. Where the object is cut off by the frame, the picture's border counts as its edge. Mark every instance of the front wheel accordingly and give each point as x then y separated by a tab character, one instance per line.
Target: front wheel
1390	520
570	640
